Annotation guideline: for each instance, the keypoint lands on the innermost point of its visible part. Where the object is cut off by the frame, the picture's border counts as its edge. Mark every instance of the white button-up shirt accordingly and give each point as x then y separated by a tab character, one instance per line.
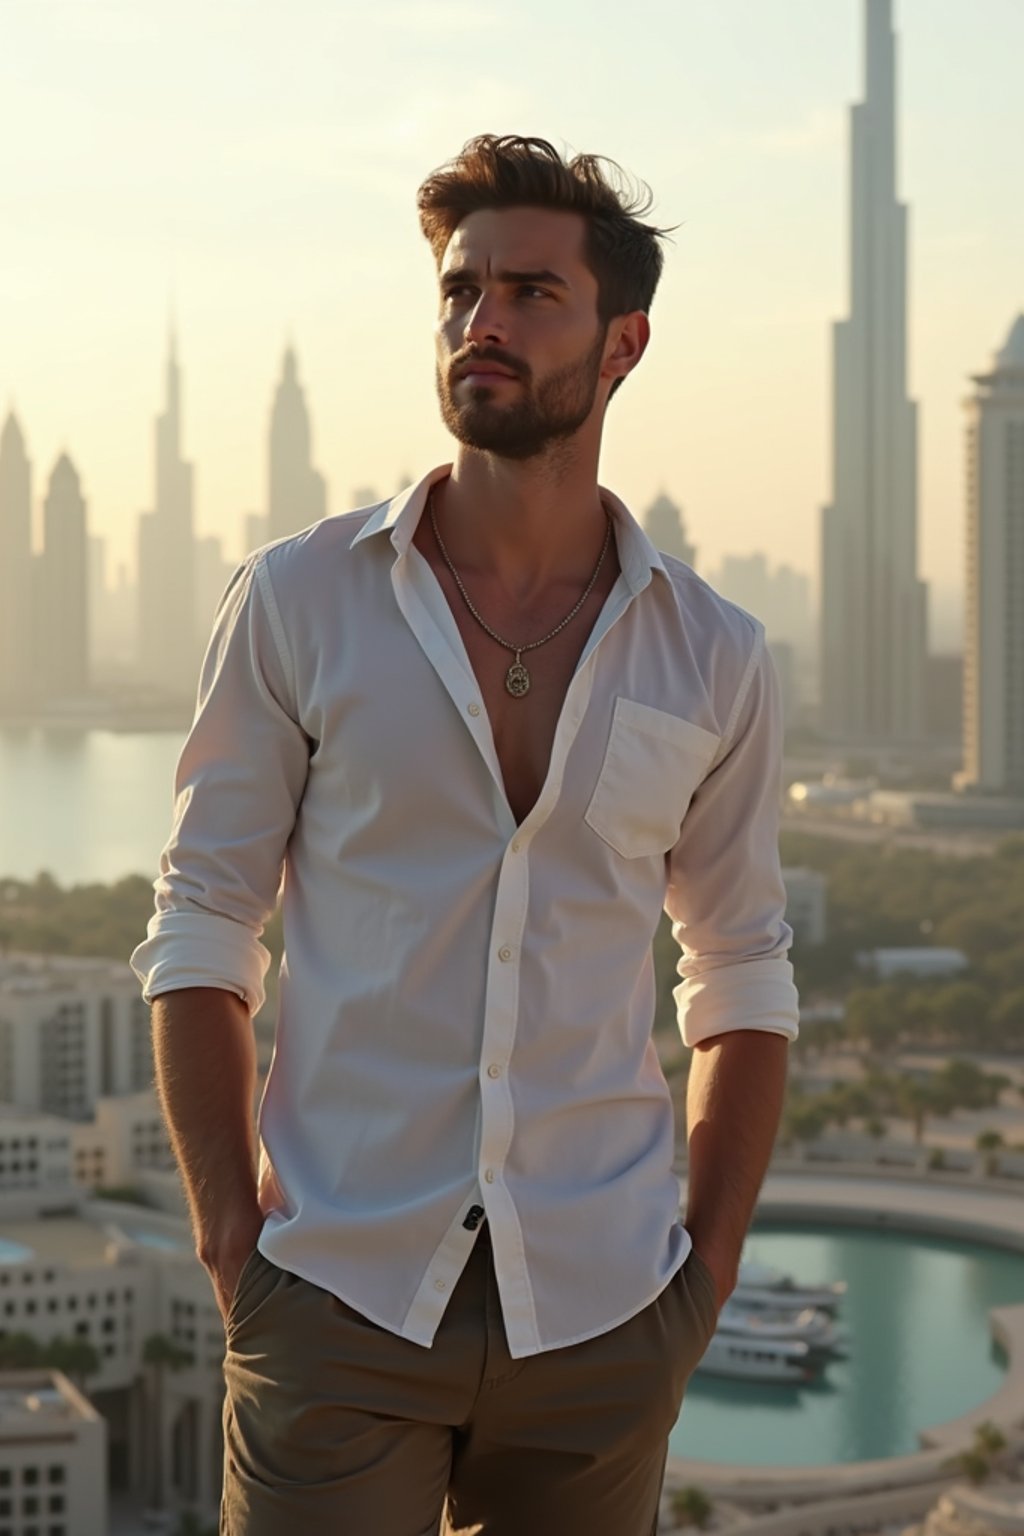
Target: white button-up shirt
466	1004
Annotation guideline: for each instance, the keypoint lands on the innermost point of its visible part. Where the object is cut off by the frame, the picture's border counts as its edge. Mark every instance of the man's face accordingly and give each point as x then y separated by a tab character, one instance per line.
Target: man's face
516	295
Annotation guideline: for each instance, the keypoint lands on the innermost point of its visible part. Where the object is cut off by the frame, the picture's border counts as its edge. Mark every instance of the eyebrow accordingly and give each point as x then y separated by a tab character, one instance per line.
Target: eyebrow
467	275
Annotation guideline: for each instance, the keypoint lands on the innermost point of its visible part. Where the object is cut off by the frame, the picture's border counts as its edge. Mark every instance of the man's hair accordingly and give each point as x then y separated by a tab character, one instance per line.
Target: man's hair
510	171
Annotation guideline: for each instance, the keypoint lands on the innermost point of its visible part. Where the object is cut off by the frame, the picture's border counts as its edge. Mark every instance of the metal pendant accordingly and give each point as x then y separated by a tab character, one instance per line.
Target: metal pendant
517	679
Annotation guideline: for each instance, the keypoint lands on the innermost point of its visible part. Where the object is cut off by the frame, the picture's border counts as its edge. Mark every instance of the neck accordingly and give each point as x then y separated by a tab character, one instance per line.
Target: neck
524	523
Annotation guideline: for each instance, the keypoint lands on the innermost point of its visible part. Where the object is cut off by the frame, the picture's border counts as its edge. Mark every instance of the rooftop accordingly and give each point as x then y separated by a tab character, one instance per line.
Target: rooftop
39	1402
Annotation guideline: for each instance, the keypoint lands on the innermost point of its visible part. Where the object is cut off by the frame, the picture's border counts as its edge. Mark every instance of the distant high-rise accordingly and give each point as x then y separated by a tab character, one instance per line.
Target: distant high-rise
15	564
994	627
169	642
666	530
213	572
873	607
62	614
254	532
297	493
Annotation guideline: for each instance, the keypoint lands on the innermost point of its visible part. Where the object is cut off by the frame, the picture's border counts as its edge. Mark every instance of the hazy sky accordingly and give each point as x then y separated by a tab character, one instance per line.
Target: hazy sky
261	160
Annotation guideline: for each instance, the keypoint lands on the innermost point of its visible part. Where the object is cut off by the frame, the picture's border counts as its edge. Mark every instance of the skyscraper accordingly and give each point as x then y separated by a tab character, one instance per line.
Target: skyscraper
297	493
15	564
666	530
873	608
62	616
994	629
169	644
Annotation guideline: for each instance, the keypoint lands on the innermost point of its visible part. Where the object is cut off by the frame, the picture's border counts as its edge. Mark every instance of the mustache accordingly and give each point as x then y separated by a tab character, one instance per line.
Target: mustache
491	356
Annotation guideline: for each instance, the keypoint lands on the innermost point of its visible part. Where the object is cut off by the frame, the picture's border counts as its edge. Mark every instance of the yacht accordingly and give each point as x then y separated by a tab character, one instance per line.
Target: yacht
738	1355
761	1287
809	1325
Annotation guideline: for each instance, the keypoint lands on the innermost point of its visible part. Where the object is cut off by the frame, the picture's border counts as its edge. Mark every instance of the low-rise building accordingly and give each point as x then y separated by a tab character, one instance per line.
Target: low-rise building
806	893
53	1457
72	1031
927	961
116	1275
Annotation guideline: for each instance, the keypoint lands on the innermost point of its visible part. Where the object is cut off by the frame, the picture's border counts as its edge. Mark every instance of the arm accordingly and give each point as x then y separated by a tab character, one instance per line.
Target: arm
738	1007
733	1103
206	1077
238	786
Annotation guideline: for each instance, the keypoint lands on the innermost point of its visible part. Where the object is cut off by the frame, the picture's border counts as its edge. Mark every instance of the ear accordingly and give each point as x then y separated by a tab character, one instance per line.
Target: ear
632	332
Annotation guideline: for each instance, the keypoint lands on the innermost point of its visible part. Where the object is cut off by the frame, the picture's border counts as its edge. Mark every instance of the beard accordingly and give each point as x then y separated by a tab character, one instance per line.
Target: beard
554	411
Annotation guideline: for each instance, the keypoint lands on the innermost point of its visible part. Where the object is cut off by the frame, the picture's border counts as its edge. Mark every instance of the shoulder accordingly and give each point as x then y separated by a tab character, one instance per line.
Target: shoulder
715	626
297	555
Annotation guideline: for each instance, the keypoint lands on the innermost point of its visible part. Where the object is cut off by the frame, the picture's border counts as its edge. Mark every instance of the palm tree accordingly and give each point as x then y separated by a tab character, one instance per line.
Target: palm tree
974	1465
989	1439
691	1506
76	1357
159	1354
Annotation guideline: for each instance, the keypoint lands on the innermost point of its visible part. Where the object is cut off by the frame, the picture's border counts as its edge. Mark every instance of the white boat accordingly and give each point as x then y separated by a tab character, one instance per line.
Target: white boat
761	1287
809	1325
739	1356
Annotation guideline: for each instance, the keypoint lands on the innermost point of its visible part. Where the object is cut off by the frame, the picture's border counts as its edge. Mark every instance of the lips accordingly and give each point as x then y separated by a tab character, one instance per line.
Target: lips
485	370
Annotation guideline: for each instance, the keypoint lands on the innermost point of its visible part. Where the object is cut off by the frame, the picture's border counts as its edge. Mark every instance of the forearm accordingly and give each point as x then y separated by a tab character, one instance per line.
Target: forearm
733	1105
205	1058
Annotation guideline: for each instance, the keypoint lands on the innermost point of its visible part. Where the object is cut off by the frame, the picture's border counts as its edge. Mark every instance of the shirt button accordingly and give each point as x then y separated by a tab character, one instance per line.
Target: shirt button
516	845
504	953
494	1070
489	1175
474	709
440	1285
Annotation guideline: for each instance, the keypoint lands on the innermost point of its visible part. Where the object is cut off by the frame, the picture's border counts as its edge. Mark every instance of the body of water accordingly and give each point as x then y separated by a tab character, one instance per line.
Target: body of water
85	805
920	1351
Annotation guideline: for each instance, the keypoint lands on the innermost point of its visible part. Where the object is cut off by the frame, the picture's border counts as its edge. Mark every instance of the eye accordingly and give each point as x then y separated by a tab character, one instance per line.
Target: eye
532	288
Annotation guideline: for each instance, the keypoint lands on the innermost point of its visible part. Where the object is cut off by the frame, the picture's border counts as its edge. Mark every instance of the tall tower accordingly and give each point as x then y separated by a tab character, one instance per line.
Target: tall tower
874	617
666	529
298	495
169	644
62	616
15	564
994	629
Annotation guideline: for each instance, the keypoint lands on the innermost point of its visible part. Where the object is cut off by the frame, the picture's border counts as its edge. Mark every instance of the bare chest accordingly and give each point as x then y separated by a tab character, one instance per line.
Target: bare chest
524	727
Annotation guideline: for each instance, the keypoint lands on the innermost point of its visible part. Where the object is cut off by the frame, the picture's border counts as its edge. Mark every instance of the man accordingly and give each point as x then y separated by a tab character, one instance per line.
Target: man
488	732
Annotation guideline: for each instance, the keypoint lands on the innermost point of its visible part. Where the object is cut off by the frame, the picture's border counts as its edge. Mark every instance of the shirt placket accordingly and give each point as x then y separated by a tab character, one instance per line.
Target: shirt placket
437	633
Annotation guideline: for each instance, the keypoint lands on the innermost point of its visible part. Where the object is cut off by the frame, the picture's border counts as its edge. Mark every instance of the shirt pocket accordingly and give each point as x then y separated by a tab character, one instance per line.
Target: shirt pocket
652	765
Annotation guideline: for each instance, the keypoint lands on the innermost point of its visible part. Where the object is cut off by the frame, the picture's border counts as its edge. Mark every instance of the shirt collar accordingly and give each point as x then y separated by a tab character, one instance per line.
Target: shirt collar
400	516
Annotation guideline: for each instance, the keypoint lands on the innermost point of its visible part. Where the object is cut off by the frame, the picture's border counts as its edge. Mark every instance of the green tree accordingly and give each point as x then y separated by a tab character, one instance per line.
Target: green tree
960	1011
1006	1021
917	1102
988	1141
874	1017
803	1121
691	1506
76	1357
989	1438
974	1465
19	1352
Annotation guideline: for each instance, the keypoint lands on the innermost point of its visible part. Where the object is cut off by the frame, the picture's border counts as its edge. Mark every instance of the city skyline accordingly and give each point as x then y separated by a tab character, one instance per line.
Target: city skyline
299	222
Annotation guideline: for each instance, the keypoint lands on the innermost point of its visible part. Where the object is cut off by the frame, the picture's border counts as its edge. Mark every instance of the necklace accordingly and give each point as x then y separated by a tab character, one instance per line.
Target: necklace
517	678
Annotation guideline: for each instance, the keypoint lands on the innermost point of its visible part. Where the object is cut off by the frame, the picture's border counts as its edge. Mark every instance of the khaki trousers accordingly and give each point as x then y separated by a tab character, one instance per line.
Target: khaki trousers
334	1426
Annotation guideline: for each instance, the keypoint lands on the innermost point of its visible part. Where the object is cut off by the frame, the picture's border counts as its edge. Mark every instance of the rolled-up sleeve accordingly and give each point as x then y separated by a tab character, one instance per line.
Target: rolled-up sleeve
237	789
726	896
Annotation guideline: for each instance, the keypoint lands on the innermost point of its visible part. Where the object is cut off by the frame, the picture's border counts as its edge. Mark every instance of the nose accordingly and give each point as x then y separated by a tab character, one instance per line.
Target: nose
485	322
